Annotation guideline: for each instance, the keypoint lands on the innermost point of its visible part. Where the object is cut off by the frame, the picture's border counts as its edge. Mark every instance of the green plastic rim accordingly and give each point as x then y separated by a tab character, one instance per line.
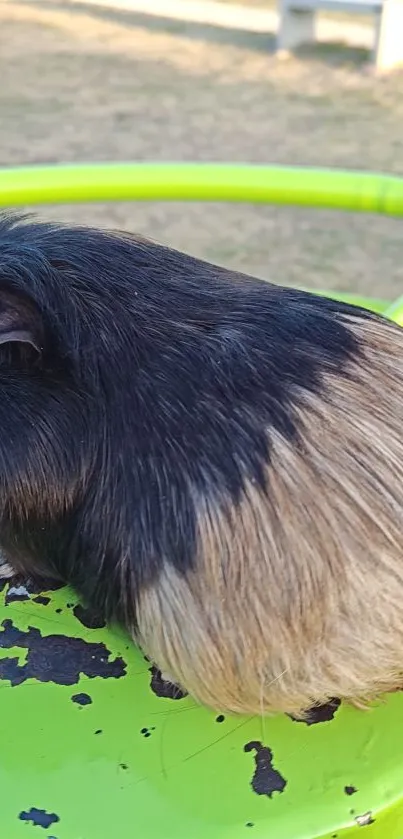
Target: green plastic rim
90	748
335	189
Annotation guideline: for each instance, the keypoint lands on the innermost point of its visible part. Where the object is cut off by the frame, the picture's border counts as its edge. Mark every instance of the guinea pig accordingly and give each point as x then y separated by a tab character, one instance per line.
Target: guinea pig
212	460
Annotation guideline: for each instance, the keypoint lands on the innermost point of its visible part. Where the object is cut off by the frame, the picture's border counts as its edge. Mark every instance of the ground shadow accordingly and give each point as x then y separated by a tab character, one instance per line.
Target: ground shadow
242	38
336	54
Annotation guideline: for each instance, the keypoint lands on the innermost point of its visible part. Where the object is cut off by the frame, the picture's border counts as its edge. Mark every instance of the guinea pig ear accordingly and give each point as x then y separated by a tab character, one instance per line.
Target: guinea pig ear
20	321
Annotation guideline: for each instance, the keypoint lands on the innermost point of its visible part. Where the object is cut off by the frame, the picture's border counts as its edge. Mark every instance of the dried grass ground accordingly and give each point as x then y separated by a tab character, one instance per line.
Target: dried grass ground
82	84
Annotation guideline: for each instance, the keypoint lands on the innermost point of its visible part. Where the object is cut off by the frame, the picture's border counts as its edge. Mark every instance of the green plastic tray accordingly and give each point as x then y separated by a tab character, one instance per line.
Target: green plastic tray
89	750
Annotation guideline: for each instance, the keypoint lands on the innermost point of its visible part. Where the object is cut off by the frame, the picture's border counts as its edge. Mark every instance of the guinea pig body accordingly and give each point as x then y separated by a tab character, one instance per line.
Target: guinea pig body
212	460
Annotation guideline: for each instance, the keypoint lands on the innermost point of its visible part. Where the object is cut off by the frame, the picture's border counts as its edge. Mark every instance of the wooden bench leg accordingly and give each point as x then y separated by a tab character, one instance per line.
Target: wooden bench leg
389	36
296	26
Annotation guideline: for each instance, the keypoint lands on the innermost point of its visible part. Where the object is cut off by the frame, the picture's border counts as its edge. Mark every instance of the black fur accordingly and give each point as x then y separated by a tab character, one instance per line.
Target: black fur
158	379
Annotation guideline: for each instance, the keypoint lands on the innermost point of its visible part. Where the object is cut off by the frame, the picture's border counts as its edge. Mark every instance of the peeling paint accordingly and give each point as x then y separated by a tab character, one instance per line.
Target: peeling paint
146	732
266	779
39	818
81	699
55	658
319	713
41	599
162	688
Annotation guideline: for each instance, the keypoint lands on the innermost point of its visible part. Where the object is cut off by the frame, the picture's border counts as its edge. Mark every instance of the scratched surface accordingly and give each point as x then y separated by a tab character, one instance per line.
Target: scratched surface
95	745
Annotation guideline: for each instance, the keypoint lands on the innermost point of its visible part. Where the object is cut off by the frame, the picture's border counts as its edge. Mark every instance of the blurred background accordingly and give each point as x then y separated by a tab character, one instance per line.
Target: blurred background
90	82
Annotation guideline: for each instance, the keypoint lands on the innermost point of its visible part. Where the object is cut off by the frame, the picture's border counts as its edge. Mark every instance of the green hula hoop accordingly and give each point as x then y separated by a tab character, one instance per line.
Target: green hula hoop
336	189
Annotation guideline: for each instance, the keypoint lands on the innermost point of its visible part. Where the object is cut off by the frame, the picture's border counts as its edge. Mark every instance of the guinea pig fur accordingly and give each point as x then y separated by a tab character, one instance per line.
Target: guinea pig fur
214	461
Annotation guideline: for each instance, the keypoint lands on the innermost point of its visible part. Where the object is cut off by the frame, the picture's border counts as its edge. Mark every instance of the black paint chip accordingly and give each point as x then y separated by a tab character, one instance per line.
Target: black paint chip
40	598
82	699
320	713
266	779
55	658
164	689
146	732
39	818
349	790
88	617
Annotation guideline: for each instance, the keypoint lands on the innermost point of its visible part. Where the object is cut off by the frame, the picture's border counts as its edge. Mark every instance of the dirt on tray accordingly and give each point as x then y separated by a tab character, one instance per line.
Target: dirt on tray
87	83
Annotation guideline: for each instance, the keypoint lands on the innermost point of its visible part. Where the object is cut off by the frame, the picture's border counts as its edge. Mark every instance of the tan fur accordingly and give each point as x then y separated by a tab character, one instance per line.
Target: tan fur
297	595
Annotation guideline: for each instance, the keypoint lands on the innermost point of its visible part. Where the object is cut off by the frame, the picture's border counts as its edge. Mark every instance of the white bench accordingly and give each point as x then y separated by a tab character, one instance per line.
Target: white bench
297	25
